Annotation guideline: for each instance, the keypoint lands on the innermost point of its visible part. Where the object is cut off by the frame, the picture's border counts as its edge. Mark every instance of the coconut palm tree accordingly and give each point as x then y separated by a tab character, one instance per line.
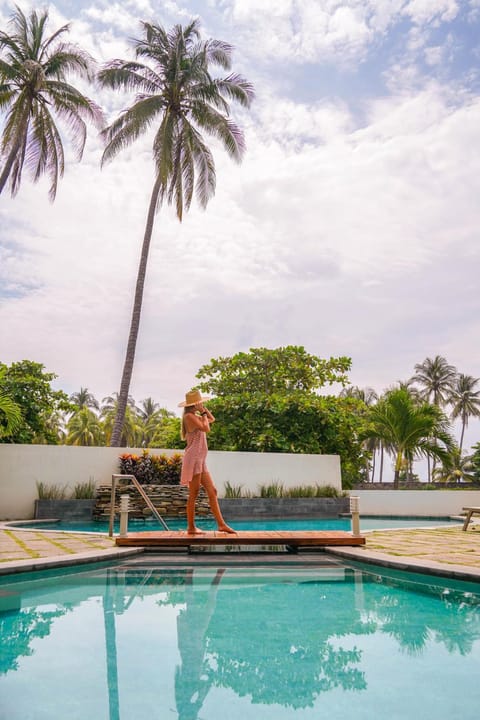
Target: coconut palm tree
455	468
34	92
436	379
465	400
84	398
175	90
408	430
84	428
10	416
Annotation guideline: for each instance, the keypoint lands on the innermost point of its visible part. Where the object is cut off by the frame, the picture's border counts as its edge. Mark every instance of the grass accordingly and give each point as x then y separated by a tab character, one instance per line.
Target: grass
51	492
85	490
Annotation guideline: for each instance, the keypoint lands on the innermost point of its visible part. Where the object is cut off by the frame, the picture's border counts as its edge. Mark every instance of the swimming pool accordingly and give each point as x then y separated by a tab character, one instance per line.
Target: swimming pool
138	641
366	523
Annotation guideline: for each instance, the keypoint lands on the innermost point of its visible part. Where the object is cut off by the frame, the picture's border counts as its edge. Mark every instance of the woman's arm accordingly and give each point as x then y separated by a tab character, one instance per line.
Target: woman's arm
193	421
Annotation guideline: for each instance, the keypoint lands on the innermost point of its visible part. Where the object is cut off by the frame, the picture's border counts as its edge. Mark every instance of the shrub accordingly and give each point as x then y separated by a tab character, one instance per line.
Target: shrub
233	491
274	490
152	469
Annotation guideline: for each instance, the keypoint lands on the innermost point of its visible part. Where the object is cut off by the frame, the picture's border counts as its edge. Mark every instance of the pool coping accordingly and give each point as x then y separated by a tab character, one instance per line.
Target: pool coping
361	554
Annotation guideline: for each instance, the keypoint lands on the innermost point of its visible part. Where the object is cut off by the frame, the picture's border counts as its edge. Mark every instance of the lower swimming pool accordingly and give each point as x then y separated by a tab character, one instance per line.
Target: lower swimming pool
138	641
366	523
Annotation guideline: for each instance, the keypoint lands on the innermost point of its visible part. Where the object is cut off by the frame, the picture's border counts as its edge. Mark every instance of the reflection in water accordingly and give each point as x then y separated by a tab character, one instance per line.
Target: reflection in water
194	678
272	636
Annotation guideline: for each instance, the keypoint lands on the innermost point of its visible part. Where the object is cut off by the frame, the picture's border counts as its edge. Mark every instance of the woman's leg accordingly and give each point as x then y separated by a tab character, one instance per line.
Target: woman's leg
193	490
211	490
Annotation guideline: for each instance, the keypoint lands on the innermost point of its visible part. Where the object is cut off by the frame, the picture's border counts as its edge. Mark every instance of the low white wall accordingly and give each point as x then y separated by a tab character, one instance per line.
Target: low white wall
22	466
415	502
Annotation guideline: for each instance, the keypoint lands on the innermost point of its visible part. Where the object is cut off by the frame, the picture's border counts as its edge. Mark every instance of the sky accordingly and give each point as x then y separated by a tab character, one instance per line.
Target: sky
351	227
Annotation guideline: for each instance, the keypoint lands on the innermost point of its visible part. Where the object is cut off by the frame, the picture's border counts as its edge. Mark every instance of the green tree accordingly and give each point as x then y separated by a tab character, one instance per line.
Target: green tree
29	386
465	400
267	401
84	428
408	429
176	89
34	91
475	460
132	432
262	370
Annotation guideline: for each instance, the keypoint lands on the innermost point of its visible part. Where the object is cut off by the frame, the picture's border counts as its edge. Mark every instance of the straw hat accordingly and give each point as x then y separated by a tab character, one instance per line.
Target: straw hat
192	398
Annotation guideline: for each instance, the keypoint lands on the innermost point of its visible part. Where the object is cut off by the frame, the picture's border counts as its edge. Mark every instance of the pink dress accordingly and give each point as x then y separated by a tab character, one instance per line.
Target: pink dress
195	456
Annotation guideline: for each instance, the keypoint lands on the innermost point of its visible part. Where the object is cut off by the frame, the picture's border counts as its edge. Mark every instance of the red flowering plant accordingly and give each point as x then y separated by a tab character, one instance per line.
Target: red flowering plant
152	469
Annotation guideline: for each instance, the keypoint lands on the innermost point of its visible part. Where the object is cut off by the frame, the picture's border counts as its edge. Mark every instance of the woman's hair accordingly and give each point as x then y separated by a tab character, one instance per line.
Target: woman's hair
183	431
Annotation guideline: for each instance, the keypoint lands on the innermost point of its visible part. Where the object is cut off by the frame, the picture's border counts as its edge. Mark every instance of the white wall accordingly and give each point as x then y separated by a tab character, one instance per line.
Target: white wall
415	502
21	466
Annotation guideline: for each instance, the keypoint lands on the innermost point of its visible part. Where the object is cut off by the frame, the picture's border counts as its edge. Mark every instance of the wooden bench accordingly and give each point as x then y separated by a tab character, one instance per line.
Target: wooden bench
470	511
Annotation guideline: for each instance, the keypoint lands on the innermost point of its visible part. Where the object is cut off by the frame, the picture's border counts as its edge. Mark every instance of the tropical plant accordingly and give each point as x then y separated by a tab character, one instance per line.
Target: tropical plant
10	412
465	401
436	379
176	89
84	428
132	430
455	468
408	430
27	385
84	398
34	92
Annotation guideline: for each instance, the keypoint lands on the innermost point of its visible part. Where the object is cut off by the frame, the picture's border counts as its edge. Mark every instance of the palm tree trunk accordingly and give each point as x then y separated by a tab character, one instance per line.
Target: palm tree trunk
381	462
135	322
464	422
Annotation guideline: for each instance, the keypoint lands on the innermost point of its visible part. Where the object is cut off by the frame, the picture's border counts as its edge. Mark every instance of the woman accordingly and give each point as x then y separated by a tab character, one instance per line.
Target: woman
196	423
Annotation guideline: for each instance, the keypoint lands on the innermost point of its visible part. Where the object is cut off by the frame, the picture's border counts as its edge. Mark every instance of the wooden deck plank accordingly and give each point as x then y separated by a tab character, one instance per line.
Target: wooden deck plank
296	538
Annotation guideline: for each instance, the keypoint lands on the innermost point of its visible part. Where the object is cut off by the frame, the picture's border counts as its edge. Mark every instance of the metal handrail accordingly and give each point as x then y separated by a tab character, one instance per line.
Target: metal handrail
142	492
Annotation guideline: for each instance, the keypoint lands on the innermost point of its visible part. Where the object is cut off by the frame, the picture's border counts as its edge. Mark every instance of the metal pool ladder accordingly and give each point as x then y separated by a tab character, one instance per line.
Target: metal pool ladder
142	492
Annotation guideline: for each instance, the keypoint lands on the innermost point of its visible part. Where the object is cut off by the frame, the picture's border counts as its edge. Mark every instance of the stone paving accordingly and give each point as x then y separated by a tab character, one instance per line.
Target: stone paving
445	547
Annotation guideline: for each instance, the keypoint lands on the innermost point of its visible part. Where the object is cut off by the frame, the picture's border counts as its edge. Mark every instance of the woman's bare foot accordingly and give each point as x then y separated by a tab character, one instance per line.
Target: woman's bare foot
195	531
227	529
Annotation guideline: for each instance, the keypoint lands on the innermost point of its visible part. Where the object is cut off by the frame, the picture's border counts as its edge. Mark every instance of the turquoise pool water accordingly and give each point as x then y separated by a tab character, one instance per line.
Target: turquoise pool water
366	523
141	642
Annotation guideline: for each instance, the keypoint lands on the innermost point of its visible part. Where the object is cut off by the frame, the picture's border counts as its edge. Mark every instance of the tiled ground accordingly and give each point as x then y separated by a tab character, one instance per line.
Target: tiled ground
29	545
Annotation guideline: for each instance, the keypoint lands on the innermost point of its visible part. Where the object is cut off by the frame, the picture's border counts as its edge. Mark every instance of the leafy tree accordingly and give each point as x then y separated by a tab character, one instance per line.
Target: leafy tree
84	428
176	89
132	428
29	386
267	402
34	68
465	400
475	461
261	370
408	429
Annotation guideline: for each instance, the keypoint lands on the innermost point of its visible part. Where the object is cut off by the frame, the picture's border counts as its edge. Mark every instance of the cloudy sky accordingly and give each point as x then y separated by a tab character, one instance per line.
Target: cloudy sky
351	227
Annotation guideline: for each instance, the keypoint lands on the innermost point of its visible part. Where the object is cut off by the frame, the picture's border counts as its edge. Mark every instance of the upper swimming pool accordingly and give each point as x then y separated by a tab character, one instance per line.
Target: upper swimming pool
144	641
366	523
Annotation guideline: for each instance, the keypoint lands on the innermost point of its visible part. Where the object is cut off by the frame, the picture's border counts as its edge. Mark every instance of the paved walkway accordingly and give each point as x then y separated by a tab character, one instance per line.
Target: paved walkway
446	550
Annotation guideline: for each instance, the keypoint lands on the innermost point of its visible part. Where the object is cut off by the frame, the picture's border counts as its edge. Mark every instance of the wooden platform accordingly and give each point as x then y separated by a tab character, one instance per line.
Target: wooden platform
297	538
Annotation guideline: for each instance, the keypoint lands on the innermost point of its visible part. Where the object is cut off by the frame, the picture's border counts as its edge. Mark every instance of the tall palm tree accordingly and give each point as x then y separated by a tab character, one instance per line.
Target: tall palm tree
436	378
408	430
465	400
84	398
176	90
34	91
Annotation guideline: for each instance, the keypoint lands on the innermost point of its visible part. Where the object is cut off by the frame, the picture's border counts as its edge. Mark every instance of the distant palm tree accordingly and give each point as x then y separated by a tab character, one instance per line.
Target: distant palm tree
84	428
84	398
368	396
132	432
176	89
408	430
33	90
465	400
455	468
436	379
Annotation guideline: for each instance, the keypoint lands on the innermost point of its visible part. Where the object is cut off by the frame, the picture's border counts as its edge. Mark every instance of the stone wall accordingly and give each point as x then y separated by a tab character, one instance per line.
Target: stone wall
169	500
252	508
